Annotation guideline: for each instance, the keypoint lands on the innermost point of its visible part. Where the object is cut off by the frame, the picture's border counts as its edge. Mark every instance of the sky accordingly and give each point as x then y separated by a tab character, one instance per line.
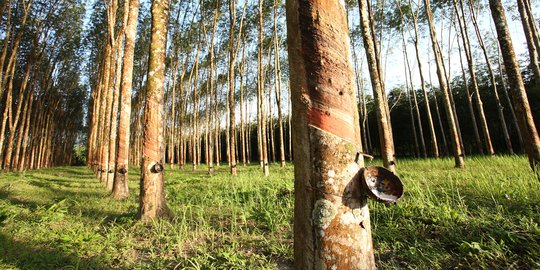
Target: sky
392	56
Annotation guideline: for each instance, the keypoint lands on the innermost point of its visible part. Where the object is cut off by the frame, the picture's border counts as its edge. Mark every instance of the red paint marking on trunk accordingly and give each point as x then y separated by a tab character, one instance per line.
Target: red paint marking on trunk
331	124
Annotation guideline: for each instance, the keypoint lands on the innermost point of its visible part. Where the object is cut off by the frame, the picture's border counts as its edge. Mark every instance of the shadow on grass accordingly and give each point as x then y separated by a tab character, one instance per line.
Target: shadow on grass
7	195
26	255
65	192
77	196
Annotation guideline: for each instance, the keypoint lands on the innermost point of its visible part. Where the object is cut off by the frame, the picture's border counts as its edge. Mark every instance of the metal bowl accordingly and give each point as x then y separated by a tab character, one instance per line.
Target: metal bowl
381	184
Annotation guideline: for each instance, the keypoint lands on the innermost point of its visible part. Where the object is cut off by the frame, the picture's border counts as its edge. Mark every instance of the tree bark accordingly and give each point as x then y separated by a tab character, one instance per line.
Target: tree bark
517	88
507	98
120	186
210	129
277	67
152	202
472	117
493	81
434	144
528	28
114	116
476	91
232	77
456	142
331	218
260	97
383	119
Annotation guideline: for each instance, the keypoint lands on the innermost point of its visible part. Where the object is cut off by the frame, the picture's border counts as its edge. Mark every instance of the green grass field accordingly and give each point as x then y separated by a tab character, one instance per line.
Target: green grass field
485	216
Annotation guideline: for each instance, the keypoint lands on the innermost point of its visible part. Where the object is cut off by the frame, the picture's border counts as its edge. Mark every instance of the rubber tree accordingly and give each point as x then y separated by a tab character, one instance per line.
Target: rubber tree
375	72
331	216
120	186
516	85
261	111
454	133
531	36
152	202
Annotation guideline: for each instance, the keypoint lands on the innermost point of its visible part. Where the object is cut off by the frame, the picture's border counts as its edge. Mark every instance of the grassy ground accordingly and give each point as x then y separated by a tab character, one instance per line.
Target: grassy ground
484	216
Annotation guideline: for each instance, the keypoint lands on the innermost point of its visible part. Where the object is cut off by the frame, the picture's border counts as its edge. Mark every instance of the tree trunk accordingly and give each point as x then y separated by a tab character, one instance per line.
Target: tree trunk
383	120
500	111
242	108
416	107
260	91
476	92
331	216
210	94
434	144
120	187
152	196
409	90
507	98
456	142
529	26
232	111
277	68
517	89
22	158
472	117
114	116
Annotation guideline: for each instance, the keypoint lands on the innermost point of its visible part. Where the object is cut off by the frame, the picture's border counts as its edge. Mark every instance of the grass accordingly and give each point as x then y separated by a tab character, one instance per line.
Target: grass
485	216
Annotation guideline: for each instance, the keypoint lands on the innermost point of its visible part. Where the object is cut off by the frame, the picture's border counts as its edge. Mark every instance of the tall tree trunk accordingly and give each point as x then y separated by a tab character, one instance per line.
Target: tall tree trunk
242	108
232	107
331	218
260	91
7	110
360	93
26	130
210	95
114	116
383	120
271	134
507	98
14	117
447	75
472	117
437	112
529	28
409	90
152	196
456	142
476	91
416	107
277	68
434	145
120	187
500	107
5	48
517	88
103	115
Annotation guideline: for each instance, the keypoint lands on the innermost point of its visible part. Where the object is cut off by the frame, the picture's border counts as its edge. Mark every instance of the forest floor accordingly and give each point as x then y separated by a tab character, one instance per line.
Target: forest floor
484	216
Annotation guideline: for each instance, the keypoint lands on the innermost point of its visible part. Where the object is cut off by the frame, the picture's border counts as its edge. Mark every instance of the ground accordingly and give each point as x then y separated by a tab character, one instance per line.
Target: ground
484	216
